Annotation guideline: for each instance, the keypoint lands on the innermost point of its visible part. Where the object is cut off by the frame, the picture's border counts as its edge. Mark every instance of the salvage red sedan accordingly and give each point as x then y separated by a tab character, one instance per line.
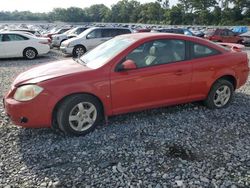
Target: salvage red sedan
127	73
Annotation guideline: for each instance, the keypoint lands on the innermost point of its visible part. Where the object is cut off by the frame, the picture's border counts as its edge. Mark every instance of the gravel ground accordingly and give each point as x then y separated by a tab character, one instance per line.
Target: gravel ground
181	146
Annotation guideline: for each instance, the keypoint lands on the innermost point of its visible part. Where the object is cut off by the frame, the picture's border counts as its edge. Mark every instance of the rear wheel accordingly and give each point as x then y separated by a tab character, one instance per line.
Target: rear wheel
220	95
78	51
30	53
79	114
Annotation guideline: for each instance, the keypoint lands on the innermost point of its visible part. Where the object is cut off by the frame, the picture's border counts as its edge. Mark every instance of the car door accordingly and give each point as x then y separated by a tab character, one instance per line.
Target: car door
203	61
163	76
2	47
14	44
232	37
93	39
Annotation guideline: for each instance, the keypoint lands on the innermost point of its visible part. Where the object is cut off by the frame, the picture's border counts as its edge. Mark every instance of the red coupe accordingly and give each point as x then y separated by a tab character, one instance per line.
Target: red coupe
127	73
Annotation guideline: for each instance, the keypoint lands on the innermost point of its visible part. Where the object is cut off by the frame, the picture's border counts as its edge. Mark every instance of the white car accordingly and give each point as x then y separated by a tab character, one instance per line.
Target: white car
90	38
59	38
19	44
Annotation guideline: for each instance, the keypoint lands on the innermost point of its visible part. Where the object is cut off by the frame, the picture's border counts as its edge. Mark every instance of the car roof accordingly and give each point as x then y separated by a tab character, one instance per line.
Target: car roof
12	32
24	33
110	28
155	36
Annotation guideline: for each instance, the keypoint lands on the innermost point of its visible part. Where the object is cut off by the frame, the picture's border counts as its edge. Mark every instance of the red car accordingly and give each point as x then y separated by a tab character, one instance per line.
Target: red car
125	74
223	35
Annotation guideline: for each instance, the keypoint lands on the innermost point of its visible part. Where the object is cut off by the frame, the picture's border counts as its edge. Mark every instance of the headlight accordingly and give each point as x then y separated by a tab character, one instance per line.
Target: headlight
27	92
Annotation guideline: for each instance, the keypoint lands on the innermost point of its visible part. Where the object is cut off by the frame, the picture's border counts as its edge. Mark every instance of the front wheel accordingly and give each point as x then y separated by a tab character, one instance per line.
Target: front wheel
79	114
78	51
220	95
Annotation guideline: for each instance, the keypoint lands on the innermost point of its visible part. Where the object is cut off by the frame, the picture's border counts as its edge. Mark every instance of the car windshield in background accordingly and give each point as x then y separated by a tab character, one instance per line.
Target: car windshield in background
84	33
106	51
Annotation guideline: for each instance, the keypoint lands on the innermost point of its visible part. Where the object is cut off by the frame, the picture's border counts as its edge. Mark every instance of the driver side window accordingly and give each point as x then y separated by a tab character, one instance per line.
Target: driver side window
158	52
95	34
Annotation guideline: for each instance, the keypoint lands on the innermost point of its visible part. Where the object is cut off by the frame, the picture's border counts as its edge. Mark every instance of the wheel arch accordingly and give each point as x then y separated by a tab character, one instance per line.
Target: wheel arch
81	46
30	47
229	78
55	109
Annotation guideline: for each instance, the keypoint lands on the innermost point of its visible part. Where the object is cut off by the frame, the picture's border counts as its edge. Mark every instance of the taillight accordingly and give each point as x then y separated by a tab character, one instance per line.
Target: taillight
236	49
45	42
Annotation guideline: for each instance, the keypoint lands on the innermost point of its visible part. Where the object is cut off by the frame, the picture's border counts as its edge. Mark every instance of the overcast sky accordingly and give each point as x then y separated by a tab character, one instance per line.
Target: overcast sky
48	5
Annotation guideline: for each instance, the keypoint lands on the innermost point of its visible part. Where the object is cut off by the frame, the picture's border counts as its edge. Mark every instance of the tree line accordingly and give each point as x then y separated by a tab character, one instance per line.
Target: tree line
185	12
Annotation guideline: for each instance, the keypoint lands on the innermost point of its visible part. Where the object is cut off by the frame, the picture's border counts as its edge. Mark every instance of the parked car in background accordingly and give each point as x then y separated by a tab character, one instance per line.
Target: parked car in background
240	29
59	38
223	35
36	33
125	74
179	31
90	38
246	38
56	32
142	30
19	44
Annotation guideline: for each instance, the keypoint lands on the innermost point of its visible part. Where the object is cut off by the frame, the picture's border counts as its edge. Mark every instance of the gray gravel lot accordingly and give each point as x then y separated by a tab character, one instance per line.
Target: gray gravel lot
180	146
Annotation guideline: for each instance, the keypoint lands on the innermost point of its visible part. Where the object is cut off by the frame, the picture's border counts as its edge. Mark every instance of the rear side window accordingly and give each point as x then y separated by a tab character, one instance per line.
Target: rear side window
13	37
224	33
109	33
1	36
123	31
230	33
199	50
114	32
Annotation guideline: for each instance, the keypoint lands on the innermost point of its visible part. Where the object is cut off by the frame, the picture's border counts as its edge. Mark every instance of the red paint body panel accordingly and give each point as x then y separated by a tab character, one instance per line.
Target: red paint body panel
122	92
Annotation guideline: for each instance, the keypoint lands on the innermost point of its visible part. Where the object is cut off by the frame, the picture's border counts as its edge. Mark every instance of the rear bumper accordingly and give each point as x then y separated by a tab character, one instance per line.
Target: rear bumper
44	49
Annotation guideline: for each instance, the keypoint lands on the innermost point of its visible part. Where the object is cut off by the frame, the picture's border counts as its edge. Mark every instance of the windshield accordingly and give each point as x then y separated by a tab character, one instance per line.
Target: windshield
71	31
68	31
86	32
100	55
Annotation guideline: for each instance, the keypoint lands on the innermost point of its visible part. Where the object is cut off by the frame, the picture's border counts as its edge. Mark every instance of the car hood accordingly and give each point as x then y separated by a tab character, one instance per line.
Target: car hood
49	71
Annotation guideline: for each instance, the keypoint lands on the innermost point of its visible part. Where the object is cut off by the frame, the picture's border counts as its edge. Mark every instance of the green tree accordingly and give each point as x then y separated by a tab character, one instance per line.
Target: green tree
98	13
151	13
125	11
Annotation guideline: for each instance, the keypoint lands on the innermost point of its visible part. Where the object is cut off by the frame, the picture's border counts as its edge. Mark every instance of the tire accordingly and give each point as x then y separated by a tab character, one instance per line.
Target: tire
30	53
79	114
221	94
78	51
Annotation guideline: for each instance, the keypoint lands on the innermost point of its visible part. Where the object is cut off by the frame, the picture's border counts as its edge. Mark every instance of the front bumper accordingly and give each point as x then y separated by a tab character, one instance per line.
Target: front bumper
36	113
67	50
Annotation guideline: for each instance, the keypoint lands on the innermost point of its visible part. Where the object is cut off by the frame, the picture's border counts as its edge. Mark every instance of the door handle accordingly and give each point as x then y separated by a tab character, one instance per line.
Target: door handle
179	72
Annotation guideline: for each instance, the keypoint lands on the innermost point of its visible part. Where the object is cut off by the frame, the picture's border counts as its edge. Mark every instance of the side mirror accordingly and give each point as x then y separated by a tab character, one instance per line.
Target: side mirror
89	36
128	65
